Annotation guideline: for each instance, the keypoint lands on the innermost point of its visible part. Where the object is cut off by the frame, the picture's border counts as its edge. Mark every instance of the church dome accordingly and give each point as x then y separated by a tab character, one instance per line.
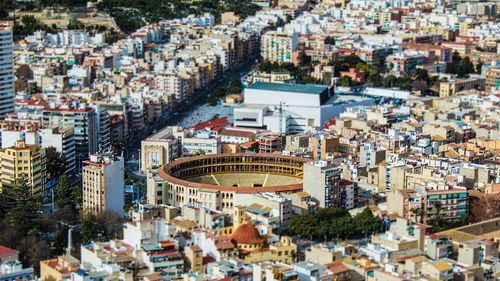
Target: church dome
246	233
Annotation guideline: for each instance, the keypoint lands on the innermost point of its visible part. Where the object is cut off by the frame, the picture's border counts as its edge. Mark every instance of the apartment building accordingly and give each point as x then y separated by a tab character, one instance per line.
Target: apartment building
439	133
435	53
59	268
163	146
403	202
201	144
6	71
483	57
63	140
274	205
323	146
462	48
103	184
440	270
369	156
322	181
405	62
279	46
492	79
83	121
393	141
23	161
13	131
454	203
451	88
475	252
239	136
194	255
438	246
373	53
204	217
270	143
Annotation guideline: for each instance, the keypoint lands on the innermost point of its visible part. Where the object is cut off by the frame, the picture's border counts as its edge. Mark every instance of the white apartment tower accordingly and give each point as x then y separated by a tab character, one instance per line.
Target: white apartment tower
6	71
103	184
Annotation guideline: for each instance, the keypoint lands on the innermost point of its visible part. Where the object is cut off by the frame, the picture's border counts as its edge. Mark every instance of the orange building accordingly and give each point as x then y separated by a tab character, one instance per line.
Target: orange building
356	75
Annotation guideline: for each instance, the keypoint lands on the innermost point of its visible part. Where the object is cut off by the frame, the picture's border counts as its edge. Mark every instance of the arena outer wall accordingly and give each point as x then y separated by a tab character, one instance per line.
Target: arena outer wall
180	190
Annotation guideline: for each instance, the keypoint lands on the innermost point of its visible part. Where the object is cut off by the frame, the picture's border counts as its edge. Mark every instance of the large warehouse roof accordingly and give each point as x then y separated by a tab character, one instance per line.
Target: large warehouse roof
295	88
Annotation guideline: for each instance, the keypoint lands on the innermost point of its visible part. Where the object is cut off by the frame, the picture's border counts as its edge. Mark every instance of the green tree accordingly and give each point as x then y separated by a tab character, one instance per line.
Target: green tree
255	146
294	255
436	218
216	95
367	222
347	62
421	74
265	66
460	66
404	83
68	194
102	226
346	81
235	85
375	80
419	214
310	80
332	223
55	163
479	65
22	207
390	81
33	250
465	67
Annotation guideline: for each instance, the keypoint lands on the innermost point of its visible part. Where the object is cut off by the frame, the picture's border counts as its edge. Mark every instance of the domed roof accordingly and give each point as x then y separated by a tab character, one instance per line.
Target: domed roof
246	233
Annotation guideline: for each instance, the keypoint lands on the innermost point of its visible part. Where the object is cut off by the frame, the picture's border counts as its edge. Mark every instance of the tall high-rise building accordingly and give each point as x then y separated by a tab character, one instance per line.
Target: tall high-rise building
103	184
23	161
103	128
6	71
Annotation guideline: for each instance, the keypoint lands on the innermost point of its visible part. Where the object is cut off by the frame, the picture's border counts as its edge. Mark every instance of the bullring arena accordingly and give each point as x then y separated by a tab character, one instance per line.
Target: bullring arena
218	180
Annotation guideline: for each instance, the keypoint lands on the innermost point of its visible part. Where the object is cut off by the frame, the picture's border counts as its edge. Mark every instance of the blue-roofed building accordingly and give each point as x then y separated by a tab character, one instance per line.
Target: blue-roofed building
292	108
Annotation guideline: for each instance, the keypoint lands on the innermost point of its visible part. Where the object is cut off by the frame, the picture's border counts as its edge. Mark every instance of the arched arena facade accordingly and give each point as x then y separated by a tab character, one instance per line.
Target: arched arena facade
218	181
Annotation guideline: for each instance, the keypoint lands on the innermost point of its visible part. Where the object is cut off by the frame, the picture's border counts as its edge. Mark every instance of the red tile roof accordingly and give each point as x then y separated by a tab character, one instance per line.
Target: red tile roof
236	133
4	251
211	124
208	259
337	267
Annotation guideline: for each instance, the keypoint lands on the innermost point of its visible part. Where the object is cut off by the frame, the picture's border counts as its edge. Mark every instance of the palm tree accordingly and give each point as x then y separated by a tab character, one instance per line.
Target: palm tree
414	211
419	214
436	217
437	206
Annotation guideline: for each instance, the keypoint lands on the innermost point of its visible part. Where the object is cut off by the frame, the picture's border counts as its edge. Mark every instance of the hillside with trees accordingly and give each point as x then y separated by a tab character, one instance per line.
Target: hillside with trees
130	15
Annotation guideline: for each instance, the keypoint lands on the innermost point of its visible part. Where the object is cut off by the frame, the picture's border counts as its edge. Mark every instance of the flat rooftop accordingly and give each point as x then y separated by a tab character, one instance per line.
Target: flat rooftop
294	88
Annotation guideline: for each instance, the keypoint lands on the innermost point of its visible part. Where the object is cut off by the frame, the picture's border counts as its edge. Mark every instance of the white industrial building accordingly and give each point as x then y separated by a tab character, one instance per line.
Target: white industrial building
292	108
